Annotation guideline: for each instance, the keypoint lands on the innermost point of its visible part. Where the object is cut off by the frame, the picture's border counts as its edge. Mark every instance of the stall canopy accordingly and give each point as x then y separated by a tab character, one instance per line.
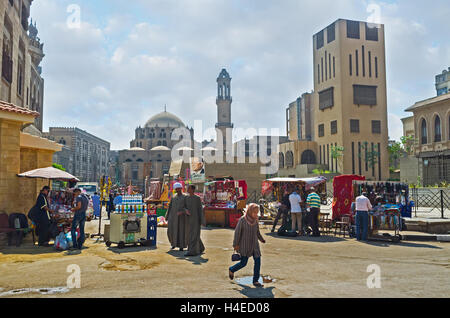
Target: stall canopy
309	182
49	173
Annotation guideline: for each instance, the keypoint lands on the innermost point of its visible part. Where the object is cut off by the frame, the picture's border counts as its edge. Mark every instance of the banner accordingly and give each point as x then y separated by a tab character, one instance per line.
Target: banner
197	170
343	195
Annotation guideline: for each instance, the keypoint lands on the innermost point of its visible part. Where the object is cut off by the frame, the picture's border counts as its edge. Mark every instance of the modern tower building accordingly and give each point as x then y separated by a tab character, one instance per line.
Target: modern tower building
350	103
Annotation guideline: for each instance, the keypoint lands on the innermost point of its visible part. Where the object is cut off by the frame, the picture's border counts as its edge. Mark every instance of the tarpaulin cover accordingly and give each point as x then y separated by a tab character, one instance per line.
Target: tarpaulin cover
343	194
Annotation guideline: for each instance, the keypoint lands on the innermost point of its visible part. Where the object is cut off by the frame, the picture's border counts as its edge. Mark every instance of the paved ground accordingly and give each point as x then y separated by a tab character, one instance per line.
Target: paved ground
302	267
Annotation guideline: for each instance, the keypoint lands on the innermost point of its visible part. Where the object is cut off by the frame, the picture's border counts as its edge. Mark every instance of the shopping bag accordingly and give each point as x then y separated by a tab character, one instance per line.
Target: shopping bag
61	242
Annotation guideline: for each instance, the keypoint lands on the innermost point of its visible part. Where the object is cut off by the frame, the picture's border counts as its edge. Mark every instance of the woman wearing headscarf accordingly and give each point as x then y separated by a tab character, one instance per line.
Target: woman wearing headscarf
246	237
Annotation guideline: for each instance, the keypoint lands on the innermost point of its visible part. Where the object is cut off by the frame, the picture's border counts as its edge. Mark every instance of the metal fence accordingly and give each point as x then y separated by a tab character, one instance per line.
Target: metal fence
428	202
431	201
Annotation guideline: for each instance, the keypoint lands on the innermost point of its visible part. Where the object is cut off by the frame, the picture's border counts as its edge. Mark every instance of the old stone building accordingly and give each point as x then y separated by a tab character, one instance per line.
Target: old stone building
88	159
430	162
22	52
20	152
150	152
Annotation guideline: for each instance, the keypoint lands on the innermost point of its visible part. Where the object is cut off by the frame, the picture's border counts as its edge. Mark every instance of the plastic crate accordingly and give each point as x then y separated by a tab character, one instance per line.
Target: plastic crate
152	229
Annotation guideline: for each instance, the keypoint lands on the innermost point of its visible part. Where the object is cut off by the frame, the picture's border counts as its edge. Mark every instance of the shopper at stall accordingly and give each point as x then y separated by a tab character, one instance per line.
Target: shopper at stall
110	205
41	216
96	205
81	203
246	237
177	223
313	201
296	211
195	220
283	210
363	206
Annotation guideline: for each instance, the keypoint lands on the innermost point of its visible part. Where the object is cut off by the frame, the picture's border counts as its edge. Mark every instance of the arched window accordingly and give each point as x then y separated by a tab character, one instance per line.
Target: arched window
437	129
289	159
159	143
308	157
423	132
281	159
164	143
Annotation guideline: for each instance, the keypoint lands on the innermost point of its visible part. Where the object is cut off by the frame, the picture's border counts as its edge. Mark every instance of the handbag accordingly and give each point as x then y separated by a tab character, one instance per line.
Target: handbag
236	257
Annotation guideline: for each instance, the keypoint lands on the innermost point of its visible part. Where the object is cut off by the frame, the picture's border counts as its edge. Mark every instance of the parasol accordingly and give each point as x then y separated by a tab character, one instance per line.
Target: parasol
49	173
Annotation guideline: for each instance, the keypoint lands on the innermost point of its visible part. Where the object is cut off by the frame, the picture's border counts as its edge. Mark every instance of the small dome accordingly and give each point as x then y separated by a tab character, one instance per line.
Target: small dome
137	149
163	120
160	148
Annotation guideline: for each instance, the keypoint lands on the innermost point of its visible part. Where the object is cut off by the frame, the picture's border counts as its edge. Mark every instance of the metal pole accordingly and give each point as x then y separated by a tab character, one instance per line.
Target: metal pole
442	203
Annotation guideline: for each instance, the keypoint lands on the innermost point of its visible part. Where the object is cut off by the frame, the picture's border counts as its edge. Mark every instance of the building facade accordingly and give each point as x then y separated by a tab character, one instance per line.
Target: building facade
431	119
89	153
350	102
300	118
150	153
22	52
443	82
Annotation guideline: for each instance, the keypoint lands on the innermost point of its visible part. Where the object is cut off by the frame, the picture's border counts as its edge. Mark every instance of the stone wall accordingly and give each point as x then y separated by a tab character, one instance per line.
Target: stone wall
9	163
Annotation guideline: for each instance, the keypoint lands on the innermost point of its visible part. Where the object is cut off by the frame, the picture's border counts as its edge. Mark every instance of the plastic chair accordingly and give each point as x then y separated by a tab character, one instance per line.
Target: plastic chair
325	223
343	225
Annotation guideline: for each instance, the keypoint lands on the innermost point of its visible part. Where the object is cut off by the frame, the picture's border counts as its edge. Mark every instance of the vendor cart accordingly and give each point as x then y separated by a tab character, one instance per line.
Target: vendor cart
388	219
128	225
388	215
224	202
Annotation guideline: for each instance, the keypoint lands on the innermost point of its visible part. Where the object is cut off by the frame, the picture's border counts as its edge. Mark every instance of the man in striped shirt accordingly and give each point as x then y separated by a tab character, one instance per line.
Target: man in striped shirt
313	202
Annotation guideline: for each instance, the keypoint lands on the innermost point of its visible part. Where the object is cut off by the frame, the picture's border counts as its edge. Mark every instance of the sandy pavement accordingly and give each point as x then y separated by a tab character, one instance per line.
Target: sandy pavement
301	267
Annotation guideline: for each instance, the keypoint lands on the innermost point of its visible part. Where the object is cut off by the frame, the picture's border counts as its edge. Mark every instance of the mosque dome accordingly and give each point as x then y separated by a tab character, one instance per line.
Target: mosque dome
160	148
164	120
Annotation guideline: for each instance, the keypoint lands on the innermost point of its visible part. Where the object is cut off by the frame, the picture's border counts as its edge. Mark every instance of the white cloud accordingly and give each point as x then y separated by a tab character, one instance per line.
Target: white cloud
125	63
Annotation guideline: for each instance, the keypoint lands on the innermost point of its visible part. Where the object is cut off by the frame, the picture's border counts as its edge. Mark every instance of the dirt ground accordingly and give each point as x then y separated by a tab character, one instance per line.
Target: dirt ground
302	267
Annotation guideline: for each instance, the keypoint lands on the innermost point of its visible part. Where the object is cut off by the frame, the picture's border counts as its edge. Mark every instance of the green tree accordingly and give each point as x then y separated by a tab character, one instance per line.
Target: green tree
57	166
337	153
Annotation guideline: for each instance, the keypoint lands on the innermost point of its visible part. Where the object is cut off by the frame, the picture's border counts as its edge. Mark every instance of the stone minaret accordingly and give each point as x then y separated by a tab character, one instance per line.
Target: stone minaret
224	101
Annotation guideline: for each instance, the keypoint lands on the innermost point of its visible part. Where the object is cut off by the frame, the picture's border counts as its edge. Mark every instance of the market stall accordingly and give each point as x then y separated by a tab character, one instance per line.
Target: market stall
273	189
61	201
158	199
224	202
387	199
343	195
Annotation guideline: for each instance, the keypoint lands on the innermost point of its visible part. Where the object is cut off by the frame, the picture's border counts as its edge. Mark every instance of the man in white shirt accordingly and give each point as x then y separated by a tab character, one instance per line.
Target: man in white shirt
363	207
296	211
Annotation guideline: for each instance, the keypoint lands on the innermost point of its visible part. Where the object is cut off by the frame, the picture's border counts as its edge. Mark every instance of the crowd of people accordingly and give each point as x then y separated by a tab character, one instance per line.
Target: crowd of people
304	216
185	218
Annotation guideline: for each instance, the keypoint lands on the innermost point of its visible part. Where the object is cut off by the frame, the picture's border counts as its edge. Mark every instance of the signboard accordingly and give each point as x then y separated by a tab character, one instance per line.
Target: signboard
197	170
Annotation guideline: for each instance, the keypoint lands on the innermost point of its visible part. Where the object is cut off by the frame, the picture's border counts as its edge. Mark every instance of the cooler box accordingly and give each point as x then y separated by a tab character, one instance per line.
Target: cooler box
233	219
128	228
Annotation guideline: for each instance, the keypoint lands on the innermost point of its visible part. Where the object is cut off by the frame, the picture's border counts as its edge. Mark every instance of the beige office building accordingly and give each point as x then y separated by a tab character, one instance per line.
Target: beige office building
350	103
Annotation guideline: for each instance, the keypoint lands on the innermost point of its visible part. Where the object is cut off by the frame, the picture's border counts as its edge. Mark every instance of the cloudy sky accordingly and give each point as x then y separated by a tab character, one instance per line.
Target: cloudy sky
127	59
